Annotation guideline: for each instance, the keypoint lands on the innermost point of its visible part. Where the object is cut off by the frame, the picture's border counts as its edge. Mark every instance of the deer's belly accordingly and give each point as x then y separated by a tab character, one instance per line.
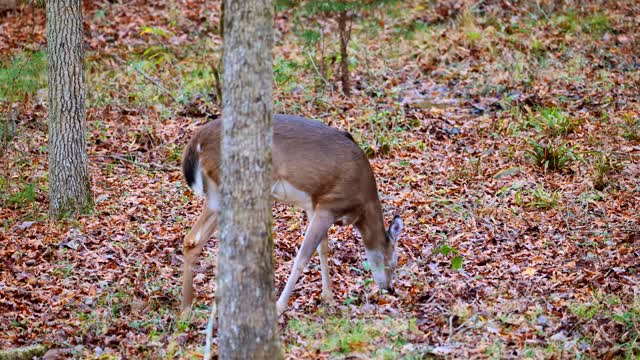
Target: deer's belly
283	191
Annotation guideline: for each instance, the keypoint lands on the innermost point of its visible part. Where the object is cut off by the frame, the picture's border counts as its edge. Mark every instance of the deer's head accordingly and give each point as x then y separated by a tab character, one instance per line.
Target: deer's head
384	258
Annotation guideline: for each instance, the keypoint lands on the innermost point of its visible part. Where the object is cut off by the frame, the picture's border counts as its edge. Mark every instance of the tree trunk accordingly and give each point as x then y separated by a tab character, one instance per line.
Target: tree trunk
245	291
69	186
345	36
6	5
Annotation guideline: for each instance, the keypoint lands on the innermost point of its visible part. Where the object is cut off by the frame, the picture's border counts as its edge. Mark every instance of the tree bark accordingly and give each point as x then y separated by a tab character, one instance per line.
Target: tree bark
245	291
69	185
345	36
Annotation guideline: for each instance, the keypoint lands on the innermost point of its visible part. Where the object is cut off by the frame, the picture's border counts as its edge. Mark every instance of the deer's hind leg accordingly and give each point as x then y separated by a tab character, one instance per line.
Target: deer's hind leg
323	253
192	247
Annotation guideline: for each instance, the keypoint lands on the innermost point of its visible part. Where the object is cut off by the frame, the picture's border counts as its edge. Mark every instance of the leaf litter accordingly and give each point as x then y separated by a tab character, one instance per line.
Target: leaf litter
447	96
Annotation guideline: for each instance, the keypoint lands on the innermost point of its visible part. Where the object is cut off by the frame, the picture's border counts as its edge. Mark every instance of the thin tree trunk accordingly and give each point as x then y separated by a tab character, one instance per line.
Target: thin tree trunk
8	5
245	291
345	36
69	186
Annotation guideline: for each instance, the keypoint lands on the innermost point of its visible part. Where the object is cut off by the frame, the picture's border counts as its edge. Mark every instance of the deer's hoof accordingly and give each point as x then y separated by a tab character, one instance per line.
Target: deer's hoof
280	308
185	314
327	297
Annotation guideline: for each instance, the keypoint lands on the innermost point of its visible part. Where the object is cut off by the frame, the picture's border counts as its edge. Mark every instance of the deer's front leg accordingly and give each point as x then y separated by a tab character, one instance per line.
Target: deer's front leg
323	252
192	247
317	229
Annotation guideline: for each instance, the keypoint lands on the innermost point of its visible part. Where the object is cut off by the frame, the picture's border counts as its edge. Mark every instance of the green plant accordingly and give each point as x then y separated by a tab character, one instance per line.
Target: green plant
174	153
630	320
542	199
158	52
585	311
602	166
597	24
552	121
495	350
384	125
284	71
537	47
550	155
344	12
381	146
25	196
631	127
26	74
473	37
409	30
446	250
567	22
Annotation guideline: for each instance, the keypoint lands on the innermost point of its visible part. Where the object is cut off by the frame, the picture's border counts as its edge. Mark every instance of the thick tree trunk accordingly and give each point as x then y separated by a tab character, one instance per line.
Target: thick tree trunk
245	292
69	186
344	28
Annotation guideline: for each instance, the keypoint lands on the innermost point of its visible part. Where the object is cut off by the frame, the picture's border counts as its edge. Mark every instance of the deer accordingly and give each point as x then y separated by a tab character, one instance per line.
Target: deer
315	167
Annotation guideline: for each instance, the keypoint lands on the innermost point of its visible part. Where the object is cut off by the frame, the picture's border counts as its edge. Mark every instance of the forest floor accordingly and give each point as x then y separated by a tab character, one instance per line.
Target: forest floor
507	138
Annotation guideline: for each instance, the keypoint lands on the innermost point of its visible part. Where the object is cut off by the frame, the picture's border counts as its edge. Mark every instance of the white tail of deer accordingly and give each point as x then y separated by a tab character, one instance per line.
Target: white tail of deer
315	167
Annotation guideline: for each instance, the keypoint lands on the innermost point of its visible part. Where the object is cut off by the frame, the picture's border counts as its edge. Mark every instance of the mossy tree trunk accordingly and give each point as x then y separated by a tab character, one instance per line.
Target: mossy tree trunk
245	291
69	185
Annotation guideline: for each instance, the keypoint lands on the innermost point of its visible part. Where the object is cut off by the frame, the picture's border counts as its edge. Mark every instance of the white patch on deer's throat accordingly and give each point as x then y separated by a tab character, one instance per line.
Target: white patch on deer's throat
199	148
283	191
213	196
198	237
376	261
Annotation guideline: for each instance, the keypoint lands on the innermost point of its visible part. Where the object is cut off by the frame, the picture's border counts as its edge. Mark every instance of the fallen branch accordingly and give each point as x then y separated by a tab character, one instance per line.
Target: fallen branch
23	353
146	166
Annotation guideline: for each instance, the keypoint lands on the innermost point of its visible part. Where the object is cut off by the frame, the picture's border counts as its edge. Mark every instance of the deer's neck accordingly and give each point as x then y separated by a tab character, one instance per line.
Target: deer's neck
371	225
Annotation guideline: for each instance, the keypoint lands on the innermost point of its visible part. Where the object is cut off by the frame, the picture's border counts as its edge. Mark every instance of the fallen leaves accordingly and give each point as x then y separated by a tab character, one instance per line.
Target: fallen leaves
457	111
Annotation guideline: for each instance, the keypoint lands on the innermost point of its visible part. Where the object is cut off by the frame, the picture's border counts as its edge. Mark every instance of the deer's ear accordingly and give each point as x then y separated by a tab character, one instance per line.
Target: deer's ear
395	227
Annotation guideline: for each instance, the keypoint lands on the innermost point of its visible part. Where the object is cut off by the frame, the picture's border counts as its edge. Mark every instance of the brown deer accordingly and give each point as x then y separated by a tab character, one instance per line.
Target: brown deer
316	168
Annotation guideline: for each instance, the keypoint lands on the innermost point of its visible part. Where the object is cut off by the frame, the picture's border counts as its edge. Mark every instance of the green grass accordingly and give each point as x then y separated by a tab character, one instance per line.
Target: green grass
159	75
602	309
384	339
550	155
385	127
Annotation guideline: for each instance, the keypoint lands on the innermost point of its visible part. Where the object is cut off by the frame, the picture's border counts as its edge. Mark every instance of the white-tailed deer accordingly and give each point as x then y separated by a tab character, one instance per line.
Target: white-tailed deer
315	167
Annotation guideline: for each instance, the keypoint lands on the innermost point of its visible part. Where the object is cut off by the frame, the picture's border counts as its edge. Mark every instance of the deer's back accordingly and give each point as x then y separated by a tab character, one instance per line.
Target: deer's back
319	160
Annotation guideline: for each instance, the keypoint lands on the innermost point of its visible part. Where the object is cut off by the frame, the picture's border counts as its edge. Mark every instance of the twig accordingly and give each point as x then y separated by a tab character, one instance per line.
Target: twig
156	83
148	77
315	67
